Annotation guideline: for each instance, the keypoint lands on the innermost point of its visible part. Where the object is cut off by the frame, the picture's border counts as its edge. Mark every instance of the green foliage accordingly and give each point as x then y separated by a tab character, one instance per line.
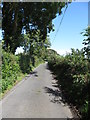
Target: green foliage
25	63
13	66
29	17
73	78
0	64
10	70
86	42
34	51
32	43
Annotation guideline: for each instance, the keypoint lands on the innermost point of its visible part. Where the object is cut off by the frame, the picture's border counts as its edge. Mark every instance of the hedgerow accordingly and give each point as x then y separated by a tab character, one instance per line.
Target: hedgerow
15	66
72	74
10	70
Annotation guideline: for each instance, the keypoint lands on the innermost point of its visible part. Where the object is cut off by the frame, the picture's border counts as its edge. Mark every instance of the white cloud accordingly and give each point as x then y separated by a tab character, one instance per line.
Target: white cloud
63	51
19	50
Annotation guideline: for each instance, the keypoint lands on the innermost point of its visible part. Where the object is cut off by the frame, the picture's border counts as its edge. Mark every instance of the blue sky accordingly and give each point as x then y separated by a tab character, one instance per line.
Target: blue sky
89	13
74	22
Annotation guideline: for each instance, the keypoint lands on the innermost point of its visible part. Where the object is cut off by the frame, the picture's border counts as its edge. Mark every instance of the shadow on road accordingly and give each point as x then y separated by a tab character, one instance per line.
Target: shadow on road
56	94
34	73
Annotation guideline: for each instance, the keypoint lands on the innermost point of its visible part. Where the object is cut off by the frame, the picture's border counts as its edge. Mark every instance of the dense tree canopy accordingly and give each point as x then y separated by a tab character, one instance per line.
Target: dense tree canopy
19	18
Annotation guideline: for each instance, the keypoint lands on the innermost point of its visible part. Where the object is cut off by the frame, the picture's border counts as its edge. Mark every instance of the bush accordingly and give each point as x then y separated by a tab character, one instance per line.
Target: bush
73	76
10	70
25	63
28	62
13	66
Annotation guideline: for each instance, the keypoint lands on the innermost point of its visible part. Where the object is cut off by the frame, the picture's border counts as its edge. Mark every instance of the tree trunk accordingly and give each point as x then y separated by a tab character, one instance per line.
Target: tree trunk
15	19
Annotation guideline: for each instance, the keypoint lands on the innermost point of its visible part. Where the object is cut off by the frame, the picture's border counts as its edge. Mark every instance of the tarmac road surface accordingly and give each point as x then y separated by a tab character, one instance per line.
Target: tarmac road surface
36	96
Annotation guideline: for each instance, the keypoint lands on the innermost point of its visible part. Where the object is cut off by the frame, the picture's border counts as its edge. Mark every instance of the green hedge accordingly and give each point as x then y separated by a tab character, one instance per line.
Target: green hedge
10	70
27	62
14	67
72	73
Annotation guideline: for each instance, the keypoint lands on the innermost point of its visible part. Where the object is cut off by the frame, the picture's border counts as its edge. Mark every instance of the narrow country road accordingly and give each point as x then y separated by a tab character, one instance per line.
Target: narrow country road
35	97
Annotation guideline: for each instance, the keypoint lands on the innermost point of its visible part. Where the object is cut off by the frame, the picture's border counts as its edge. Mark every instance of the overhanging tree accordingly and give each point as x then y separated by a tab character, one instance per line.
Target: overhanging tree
28	17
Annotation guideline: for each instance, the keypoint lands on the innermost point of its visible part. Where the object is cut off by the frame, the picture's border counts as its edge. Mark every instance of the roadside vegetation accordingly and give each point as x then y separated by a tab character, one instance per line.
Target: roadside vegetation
73	76
14	68
0	65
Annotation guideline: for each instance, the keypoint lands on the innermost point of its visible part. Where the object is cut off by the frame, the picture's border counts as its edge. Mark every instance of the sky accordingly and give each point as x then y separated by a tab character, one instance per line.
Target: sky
74	22
89	13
